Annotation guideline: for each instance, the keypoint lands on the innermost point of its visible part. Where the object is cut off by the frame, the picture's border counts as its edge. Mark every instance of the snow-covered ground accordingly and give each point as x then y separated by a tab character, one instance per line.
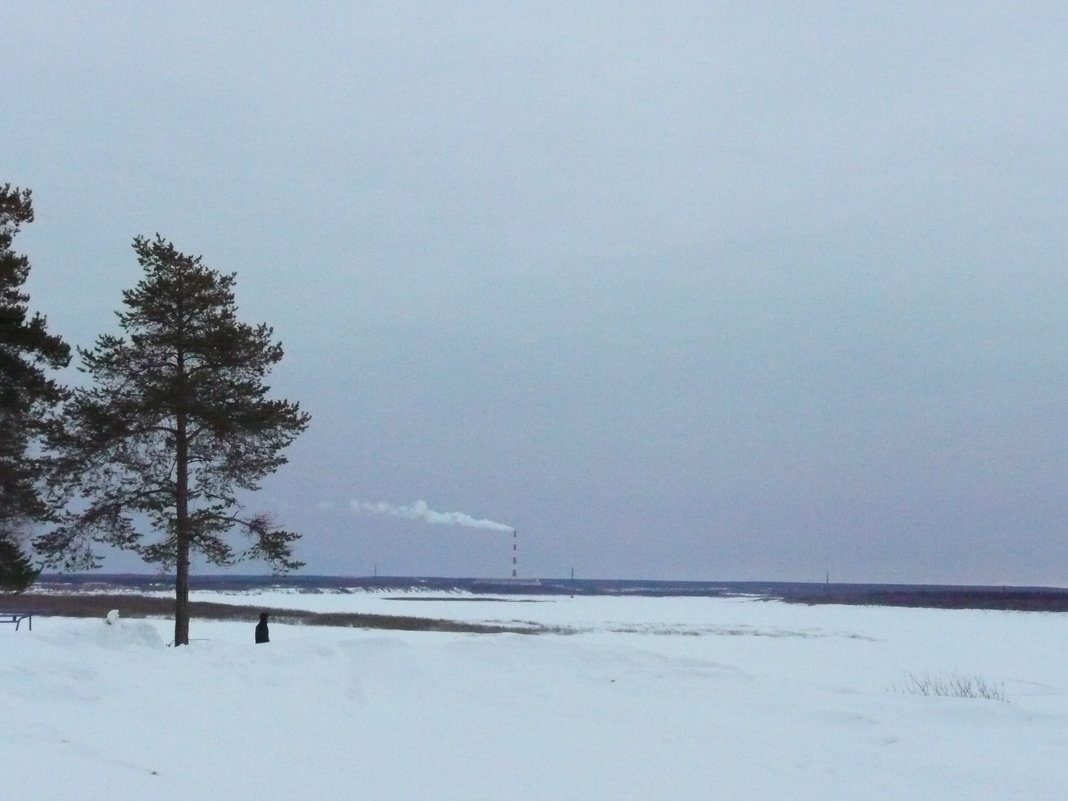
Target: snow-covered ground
653	698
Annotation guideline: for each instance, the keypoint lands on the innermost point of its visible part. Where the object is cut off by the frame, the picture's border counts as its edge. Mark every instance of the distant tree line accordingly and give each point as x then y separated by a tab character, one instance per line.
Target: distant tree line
150	454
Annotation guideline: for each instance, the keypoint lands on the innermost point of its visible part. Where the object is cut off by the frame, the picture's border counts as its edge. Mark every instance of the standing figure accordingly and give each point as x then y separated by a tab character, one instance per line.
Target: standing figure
261	629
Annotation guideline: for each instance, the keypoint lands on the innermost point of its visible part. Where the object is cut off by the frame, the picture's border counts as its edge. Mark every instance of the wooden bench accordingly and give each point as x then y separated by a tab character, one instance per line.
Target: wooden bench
17	616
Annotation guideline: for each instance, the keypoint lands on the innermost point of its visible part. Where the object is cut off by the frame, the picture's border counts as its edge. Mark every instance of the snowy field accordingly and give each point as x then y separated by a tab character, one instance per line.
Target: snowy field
651	698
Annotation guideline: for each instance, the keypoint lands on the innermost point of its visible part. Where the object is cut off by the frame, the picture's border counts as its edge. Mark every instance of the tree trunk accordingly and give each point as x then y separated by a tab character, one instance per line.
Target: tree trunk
181	596
181	530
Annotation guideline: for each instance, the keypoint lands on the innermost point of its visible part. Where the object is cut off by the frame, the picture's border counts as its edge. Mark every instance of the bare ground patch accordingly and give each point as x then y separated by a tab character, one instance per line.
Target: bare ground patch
143	606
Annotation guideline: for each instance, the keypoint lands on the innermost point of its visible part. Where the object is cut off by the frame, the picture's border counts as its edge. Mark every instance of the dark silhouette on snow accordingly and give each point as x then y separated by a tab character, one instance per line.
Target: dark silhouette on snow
261	629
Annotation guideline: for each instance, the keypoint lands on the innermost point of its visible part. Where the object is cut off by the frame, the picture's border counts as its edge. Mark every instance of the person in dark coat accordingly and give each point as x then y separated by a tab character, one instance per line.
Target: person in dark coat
261	629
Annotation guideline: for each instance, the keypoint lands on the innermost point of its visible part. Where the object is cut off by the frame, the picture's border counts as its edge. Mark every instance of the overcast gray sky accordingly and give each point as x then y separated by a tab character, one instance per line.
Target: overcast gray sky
739	290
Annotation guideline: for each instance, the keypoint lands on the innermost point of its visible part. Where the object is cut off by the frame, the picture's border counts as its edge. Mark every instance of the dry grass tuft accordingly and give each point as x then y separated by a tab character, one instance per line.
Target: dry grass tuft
954	685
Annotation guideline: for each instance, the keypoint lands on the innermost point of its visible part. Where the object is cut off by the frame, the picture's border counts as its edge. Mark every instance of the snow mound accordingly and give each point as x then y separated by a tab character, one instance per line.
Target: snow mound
120	633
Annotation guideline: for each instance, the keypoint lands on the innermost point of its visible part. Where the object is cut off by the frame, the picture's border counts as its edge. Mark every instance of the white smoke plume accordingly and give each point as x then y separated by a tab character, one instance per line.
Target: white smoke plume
420	511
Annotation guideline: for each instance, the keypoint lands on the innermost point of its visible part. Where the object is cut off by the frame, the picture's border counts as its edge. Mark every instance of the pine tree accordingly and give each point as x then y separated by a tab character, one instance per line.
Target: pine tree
176	423
27	396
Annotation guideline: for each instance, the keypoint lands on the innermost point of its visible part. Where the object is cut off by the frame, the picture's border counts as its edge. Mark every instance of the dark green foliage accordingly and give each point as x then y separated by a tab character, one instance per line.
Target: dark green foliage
176	423
17	572
28	396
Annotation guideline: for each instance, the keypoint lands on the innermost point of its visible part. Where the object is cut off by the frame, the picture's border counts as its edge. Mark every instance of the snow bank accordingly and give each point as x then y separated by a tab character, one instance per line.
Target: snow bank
117	635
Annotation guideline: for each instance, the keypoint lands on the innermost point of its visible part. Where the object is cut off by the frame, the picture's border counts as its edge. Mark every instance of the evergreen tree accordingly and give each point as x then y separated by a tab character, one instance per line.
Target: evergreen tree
176	423
17	572
27	396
